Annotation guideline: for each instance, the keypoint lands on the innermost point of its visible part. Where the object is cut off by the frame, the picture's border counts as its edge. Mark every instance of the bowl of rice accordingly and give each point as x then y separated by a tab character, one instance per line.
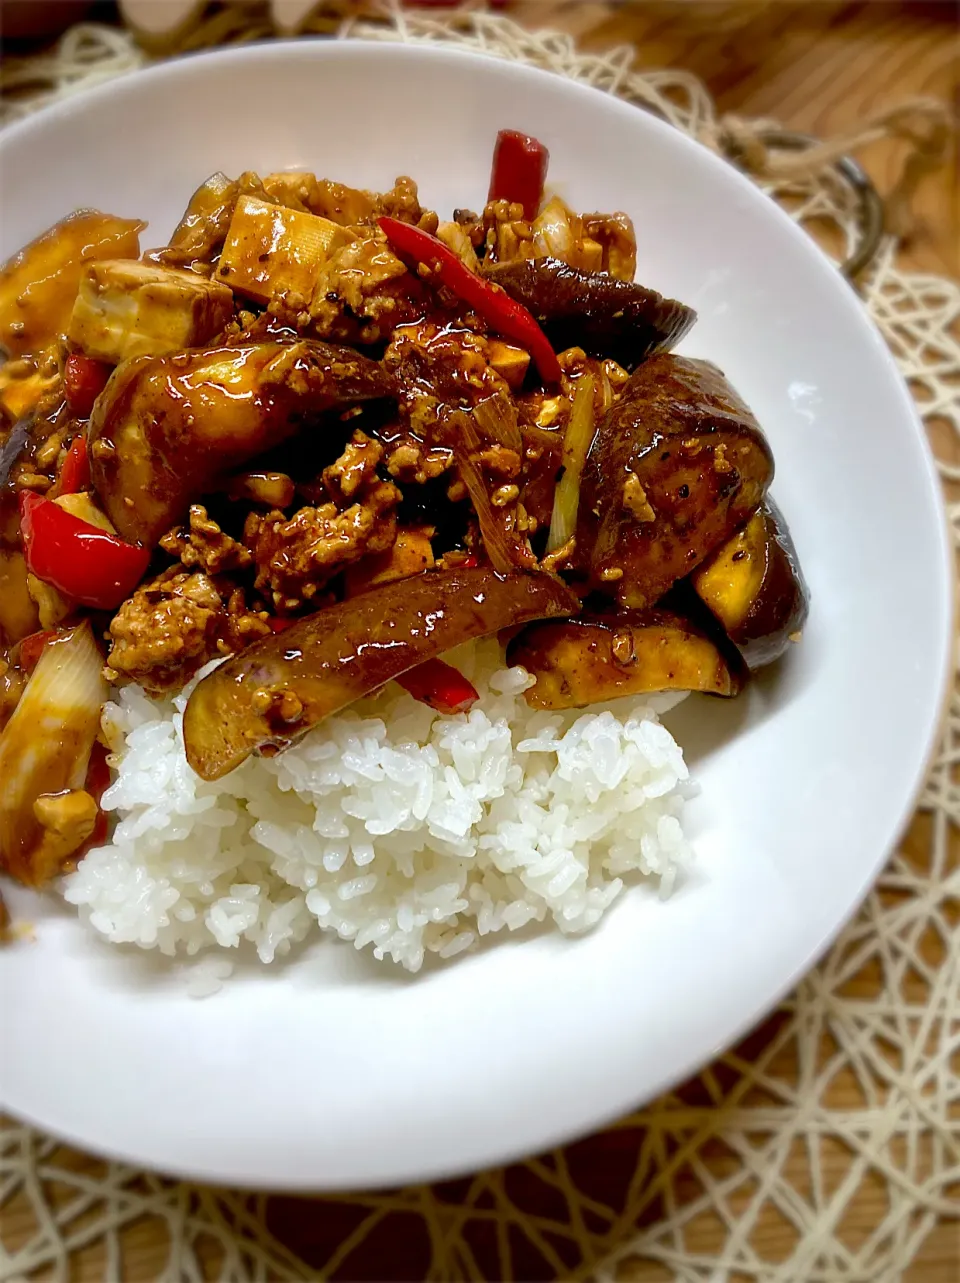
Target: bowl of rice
427	941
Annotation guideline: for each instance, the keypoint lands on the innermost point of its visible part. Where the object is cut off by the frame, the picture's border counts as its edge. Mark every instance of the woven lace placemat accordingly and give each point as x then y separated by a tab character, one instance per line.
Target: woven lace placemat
826	1146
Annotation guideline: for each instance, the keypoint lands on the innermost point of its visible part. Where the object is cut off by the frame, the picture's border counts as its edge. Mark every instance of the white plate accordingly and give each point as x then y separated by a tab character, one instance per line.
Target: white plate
336	1071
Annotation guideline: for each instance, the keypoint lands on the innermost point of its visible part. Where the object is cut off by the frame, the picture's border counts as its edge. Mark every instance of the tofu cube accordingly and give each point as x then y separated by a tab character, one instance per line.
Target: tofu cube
510	362
271	250
127	308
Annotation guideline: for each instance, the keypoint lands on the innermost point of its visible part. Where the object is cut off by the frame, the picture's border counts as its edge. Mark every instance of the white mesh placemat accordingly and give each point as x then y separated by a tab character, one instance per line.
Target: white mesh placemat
827	1145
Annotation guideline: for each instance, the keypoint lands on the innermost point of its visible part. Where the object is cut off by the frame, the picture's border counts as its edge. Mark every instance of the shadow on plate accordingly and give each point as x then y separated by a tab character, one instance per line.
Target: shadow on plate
318	962
704	725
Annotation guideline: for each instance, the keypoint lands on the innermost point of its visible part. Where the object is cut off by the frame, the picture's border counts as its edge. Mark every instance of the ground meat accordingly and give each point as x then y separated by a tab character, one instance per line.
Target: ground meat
437	369
354	470
508	235
363	292
166	631
203	545
411	461
172	626
346	206
343	205
498	461
542	467
402	202
295	558
542	410
241	626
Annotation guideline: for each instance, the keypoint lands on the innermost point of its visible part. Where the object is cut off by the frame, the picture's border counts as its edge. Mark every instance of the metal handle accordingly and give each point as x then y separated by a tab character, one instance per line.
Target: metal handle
869	203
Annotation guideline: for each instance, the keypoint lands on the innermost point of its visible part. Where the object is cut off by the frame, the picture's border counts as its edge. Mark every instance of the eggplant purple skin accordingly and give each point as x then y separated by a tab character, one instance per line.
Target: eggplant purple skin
577	662
13	447
792	594
693	452
275	690
607	317
161	432
774	614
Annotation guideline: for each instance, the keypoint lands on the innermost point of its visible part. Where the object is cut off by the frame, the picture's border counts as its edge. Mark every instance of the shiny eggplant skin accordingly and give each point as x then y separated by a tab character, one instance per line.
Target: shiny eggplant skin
608	318
676	466
278	688
596	658
166	427
754	586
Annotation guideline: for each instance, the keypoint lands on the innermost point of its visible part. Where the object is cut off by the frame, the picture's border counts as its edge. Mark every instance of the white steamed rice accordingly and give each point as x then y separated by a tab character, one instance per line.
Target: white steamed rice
389	825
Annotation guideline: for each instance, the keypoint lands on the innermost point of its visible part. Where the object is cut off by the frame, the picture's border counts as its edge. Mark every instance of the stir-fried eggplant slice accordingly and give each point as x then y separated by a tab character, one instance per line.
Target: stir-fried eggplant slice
754	586
38	286
16	443
677	465
203	228
595	658
604	316
278	688
165	428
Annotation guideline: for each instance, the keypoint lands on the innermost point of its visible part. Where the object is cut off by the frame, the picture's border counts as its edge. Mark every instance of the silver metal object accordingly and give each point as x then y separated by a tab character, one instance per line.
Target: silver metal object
869	203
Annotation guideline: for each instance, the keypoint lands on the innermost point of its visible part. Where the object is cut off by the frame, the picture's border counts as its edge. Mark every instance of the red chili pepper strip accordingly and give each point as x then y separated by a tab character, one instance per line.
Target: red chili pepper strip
83	381
75	473
440	685
500	312
519	170
31	648
280	623
85	564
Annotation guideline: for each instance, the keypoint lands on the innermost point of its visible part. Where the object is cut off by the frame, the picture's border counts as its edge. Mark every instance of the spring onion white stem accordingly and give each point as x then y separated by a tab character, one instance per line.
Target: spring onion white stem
576	443
45	747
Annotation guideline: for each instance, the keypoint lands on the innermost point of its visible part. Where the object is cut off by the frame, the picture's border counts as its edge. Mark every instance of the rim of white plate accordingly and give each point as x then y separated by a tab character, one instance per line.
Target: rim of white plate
491	1149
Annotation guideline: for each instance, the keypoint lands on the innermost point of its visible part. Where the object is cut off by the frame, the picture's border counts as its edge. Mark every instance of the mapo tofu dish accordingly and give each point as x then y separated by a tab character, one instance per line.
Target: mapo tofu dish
324	436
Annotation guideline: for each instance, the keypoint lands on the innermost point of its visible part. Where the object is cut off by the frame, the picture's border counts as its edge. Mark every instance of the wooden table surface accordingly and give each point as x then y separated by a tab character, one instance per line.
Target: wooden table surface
817	66
821	68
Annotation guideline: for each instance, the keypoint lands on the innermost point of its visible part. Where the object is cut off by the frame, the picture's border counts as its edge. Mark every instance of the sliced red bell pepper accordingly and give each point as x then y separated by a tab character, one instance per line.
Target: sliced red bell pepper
519	170
87	565
75	472
499	311
83	381
440	685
